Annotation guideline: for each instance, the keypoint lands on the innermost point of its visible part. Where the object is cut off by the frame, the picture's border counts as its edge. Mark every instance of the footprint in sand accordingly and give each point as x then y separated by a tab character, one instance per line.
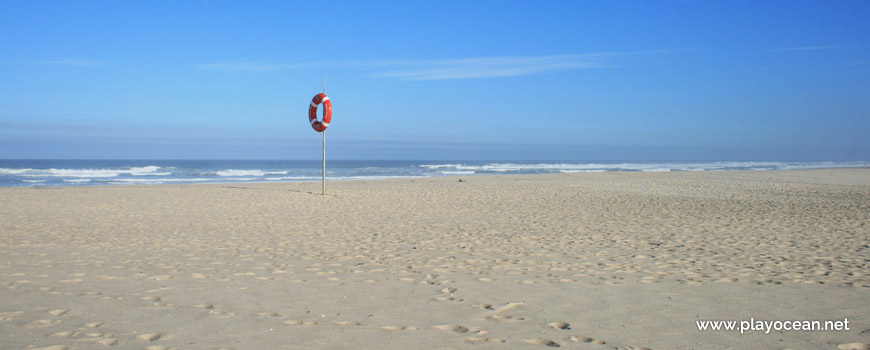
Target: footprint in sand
504	318
577	339
74	280
449	299
269	314
150	336
58	312
64	334
399	328
298	323
560	325
107	341
476	340
510	306
347	323
452	327
854	346
158	347
10	315
52	347
485	306
222	314
43	323
546	342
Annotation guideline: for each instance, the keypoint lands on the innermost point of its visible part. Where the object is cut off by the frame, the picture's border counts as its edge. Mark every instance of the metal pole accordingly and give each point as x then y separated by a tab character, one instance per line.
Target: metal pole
323	180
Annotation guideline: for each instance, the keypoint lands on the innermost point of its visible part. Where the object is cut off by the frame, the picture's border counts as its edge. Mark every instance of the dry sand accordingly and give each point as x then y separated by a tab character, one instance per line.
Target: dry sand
579	261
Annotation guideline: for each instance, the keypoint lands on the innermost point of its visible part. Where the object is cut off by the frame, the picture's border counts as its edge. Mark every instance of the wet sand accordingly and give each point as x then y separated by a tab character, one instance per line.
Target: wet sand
578	261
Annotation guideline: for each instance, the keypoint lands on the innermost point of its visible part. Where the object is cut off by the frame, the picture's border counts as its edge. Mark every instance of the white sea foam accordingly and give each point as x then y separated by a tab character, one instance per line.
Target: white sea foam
457	172
582	171
449	169
77	180
657	170
34	181
141	182
155	180
147	170
441	166
234	172
379	177
507	167
14	171
88	173
284	178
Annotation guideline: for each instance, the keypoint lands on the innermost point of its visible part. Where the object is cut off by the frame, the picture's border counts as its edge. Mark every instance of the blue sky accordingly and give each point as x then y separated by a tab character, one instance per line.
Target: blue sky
495	80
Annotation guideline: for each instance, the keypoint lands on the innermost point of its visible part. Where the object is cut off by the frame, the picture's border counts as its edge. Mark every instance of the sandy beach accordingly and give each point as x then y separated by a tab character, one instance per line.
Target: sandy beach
613	260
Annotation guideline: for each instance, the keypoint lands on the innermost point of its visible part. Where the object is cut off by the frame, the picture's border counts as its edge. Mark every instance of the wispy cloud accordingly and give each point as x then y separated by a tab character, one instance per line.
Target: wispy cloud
499	67
483	67
251	66
448	69
76	62
813	48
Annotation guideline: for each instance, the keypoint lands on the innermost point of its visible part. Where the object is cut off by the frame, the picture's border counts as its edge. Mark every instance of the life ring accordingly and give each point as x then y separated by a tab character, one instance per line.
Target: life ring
318	125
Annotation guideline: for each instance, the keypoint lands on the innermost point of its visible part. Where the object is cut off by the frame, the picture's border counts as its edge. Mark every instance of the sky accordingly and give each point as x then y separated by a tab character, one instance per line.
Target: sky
444	80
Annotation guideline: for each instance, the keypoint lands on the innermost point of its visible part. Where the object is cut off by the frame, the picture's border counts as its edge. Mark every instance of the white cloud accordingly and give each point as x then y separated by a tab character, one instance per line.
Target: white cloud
497	67
447	69
484	67
812	48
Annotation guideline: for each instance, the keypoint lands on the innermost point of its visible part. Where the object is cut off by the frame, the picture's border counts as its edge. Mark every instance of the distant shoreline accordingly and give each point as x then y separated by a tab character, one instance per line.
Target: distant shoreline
469	178
66	173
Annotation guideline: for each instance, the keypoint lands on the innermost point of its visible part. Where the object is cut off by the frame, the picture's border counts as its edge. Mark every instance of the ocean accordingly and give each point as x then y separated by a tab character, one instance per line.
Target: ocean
54	173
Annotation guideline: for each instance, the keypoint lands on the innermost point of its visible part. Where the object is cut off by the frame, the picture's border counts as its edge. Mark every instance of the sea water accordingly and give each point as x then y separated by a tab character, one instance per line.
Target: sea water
52	173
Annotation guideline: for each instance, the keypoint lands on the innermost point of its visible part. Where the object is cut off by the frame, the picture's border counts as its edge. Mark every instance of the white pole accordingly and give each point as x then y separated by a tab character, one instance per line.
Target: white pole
323	179
323	182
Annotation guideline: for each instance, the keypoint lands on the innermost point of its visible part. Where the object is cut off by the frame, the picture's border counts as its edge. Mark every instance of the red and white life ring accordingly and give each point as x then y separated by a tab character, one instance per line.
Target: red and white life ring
318	125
